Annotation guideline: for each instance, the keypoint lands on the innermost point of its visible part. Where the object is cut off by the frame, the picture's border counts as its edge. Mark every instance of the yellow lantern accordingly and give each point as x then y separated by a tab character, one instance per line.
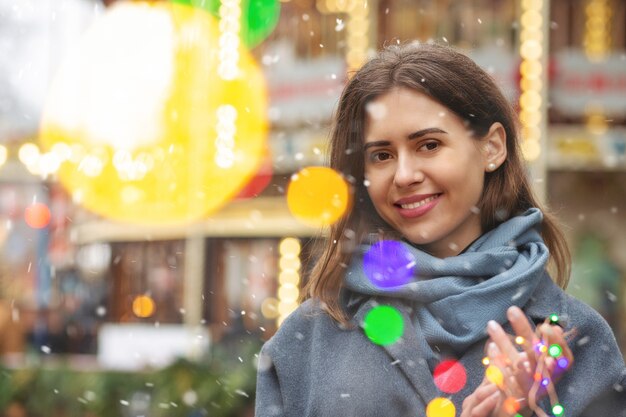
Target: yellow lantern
150	132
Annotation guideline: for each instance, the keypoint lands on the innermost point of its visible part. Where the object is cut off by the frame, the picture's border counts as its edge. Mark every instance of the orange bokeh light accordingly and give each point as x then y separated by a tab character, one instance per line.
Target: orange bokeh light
37	215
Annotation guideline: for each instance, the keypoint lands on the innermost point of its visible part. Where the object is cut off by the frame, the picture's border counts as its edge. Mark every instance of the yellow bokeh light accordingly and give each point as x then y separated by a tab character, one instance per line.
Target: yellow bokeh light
531	69
146	83
531	133
4	153
143	306
318	196
531	150
289	247
530	34
531	84
28	154
288	293
530	117
269	308
289	277
289	264
532	4
531	49
530	100
531	19
440	407
494	375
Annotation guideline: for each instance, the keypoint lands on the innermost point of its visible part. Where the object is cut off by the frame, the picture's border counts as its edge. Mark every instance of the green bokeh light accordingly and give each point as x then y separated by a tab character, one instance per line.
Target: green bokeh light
557	409
258	17
555	351
383	325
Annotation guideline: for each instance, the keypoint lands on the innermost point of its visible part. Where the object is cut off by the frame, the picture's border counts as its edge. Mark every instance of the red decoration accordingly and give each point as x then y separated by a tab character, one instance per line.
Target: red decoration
258	183
450	376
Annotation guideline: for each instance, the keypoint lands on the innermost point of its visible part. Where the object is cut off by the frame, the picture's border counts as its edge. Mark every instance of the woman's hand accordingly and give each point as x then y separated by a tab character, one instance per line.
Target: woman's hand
483	401
521	369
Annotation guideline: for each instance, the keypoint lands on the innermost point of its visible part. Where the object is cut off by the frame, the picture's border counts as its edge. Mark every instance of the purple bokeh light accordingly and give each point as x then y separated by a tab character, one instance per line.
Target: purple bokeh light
388	263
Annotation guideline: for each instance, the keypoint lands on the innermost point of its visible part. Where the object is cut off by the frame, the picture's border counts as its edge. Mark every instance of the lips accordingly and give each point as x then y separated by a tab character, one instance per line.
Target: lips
417	205
416	201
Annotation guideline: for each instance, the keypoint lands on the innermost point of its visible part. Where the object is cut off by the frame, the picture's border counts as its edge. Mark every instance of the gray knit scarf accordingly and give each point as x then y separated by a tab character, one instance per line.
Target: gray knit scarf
453	298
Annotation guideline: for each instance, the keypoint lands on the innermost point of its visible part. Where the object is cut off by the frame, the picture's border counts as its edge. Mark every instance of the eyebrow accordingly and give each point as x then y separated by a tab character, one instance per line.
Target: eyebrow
411	136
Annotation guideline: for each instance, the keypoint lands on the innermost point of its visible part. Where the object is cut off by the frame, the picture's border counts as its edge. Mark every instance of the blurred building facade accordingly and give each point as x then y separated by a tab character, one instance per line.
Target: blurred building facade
234	272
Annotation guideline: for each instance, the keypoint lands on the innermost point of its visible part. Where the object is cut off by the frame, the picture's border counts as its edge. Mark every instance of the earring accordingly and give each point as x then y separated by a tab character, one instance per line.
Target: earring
491	167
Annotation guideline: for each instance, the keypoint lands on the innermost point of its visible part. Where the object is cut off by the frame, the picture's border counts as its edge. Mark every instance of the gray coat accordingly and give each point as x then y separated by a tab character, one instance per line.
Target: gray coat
313	367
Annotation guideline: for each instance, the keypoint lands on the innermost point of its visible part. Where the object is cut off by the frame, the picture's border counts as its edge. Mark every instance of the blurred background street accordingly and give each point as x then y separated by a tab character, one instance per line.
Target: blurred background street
148	246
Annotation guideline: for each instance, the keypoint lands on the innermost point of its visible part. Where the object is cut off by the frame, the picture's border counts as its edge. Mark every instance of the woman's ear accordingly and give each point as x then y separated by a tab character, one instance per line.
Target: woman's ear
494	147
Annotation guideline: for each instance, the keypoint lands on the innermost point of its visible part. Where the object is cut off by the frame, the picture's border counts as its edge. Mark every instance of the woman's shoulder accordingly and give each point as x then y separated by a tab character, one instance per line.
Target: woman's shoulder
549	298
306	321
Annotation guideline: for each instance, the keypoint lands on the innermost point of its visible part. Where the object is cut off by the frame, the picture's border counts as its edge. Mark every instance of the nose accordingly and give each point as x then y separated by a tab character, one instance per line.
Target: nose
408	172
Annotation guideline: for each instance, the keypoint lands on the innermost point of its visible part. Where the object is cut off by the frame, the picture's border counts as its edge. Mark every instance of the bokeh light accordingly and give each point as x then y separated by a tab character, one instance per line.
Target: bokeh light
143	306
37	215
494	375
450	376
170	147
555	350
511	405
440	407
4	153
258	17
388	263
383	325
318	196
557	409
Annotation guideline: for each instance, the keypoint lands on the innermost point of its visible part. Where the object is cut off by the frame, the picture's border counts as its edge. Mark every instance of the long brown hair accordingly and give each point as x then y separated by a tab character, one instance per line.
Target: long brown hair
461	85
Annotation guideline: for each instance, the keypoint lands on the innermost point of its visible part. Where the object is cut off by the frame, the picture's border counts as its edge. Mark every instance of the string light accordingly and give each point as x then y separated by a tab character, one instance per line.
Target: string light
531	69
3	154
229	26
288	277
225	141
357	28
563	363
555	351
597	36
357	34
541	375
557	409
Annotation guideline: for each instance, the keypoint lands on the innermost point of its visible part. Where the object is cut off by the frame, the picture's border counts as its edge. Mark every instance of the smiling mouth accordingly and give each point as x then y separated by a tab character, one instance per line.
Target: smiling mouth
420	203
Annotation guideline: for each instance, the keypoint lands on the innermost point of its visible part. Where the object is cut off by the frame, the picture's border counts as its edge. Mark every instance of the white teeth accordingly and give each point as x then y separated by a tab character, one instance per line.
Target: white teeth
419	203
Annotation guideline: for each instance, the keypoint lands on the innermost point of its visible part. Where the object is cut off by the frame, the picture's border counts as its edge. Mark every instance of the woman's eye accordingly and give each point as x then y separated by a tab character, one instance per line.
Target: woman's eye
380	156
430	146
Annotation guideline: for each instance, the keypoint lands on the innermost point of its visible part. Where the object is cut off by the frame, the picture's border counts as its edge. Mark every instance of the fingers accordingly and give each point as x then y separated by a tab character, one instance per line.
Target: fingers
482	401
514	383
486	407
502	341
526	367
522	329
559	356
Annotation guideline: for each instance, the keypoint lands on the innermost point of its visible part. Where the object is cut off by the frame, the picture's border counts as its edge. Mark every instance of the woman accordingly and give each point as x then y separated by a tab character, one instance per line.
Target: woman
431	147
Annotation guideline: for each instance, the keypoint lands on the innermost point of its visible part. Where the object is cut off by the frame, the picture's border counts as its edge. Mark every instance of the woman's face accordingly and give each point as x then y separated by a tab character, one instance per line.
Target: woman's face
425	171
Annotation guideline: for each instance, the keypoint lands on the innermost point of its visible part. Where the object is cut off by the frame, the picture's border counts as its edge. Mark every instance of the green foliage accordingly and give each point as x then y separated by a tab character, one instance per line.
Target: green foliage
221	385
